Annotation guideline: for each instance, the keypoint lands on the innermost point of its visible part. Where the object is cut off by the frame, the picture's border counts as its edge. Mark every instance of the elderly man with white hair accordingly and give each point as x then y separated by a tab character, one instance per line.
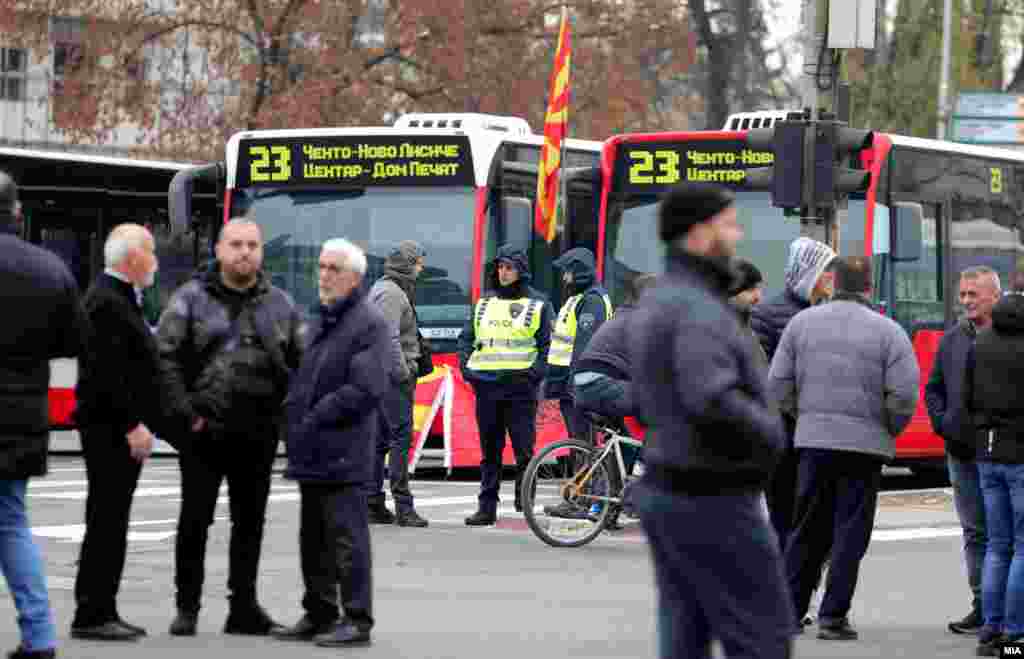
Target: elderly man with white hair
332	410
118	397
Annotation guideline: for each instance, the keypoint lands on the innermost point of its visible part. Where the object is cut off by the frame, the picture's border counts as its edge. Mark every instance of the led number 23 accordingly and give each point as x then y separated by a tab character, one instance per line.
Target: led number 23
270	163
657	167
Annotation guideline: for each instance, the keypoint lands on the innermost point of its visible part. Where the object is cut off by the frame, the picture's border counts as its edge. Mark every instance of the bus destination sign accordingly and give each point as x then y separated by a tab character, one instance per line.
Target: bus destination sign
651	167
355	160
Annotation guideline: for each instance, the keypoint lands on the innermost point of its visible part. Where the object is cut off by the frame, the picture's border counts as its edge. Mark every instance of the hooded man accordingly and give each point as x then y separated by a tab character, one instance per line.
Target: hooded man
808	281
393	294
744	295
503	353
586	310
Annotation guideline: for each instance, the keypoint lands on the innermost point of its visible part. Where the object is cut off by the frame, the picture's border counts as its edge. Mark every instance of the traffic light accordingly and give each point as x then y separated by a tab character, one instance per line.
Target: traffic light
835	147
785	178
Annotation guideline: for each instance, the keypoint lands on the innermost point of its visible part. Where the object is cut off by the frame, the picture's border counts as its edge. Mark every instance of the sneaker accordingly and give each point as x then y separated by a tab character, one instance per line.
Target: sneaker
969	624
989	643
410	518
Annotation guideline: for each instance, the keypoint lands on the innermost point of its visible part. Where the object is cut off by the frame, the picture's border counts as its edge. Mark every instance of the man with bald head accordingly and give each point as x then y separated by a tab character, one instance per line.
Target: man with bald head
118	396
979	292
229	341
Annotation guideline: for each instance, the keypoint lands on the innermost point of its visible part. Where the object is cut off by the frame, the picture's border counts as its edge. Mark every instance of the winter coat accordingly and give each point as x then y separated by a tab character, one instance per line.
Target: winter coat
331	408
119	383
994	385
851	374
944	392
209	363
712	428
510	384
44	321
393	294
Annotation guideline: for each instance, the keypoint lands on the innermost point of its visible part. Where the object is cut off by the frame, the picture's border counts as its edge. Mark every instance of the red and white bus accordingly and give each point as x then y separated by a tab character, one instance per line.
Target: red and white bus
972	198
71	201
459	184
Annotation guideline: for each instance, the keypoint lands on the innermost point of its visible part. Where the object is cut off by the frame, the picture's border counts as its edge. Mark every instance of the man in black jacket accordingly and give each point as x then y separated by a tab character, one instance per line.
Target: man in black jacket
979	291
118	396
228	342
44	322
332	409
503	353
713	442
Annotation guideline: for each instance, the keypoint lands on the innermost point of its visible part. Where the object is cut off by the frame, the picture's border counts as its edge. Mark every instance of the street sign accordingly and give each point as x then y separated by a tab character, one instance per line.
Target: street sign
988	118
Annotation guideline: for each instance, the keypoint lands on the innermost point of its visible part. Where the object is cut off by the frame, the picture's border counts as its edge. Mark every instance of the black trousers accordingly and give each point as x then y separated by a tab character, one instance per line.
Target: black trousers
781	491
495	417
837	494
394	438
245	459
576	421
112	474
334	543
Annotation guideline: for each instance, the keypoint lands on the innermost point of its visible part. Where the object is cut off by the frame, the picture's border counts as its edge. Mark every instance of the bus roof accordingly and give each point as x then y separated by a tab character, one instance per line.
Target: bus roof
73	156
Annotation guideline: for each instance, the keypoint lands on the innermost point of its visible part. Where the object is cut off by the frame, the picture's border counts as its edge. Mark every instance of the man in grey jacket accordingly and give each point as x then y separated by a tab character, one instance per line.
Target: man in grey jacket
394	294
850	376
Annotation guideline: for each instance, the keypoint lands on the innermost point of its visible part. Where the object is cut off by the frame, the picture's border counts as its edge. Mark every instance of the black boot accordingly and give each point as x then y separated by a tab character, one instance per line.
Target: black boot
305	629
184	623
410	518
251	620
482	518
22	653
379	514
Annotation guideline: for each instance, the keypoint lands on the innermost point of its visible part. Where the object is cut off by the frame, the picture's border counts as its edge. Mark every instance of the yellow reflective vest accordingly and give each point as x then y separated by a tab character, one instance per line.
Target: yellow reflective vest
505	333
564	337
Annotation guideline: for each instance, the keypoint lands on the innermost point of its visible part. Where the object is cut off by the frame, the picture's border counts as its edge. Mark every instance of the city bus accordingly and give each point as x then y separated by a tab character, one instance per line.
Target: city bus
71	201
458	184
968	199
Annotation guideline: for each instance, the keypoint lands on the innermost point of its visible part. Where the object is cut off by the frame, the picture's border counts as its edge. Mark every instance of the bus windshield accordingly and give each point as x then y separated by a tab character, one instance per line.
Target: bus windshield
296	222
632	246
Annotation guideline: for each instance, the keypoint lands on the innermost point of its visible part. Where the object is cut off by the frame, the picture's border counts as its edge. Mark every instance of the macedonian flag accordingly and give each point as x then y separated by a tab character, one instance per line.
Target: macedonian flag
556	123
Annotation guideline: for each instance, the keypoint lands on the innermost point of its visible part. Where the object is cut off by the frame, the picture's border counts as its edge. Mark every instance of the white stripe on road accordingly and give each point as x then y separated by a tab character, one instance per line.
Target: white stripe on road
923	533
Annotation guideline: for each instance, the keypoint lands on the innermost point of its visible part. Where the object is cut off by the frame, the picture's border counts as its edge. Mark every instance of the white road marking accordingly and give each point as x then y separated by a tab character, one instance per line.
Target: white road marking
922	533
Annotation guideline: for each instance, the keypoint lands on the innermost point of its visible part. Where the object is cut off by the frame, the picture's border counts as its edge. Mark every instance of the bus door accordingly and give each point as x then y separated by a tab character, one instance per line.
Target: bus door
71	230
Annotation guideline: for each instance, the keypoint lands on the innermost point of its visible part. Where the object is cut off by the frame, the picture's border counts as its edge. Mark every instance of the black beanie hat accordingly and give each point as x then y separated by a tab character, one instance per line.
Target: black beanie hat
745	276
688	204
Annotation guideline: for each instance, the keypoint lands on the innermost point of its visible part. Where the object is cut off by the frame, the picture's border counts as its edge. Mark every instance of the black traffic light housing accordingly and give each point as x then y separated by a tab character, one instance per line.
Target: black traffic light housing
835	147
785	141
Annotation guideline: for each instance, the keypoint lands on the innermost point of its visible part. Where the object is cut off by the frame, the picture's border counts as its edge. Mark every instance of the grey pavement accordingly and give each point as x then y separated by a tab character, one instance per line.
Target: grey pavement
453	591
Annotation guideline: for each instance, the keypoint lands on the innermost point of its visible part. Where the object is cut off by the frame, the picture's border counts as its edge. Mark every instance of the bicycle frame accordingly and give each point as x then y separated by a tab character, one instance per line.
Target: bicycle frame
613	443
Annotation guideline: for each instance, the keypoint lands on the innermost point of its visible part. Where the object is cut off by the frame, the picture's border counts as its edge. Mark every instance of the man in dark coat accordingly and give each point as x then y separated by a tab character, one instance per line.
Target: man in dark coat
44	322
228	343
712	443
118	396
808	281
332	411
503	353
943	396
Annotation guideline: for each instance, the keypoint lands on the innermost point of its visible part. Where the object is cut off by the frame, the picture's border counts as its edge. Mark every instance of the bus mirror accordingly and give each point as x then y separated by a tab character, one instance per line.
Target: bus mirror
518	213
179	196
905	231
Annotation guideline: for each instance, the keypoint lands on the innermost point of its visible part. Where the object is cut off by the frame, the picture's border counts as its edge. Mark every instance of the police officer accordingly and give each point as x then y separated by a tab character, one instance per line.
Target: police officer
578	319
503	352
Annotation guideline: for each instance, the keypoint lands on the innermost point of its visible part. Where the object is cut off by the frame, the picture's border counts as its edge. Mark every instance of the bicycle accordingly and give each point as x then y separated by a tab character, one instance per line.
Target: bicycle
579	474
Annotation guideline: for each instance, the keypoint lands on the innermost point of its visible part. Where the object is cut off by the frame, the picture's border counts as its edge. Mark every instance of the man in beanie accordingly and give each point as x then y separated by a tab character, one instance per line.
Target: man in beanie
744	295
503	354
712	443
394	295
808	281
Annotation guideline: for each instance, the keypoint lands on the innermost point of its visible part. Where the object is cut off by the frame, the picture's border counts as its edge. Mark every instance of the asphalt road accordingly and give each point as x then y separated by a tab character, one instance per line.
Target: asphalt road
498	593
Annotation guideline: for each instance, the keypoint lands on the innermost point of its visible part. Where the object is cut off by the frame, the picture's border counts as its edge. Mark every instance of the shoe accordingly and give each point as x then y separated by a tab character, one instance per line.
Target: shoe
841	631
989	643
612	522
410	518
481	518
251	620
108	631
565	510
344	633
807	621
141	631
381	515
969	624
305	629
22	653
184	623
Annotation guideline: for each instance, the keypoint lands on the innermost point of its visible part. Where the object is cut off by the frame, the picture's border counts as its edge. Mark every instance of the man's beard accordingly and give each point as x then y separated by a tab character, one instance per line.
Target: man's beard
239	279
150	279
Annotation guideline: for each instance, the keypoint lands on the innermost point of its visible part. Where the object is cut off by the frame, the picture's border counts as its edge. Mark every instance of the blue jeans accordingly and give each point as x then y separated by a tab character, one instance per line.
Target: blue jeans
1002	584
22	564
970	508
719	575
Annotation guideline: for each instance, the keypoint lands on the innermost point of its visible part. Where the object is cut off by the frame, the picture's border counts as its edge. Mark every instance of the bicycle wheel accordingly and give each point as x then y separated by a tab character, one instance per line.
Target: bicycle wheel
564	473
